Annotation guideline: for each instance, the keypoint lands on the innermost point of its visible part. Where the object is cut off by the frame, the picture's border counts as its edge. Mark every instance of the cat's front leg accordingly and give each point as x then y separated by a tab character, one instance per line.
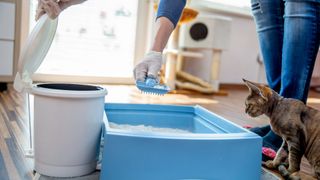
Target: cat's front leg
297	146
295	156
281	156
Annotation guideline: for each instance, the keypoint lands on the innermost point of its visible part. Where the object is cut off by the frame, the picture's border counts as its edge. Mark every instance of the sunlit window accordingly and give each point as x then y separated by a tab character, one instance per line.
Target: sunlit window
96	38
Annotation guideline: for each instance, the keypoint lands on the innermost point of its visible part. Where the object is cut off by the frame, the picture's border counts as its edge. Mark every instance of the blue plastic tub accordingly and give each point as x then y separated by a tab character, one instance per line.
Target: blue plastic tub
215	150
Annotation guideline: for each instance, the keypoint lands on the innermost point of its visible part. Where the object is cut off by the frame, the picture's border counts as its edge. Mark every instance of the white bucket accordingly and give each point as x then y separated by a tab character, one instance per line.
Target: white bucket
67	117
67	127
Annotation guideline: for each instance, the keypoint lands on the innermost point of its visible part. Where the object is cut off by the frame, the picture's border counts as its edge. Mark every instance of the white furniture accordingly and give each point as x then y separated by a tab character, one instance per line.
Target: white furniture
7	37
6	57
241	59
204	32
208	32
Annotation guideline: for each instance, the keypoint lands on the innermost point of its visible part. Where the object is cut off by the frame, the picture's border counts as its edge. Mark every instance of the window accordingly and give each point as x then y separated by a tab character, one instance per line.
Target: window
95	40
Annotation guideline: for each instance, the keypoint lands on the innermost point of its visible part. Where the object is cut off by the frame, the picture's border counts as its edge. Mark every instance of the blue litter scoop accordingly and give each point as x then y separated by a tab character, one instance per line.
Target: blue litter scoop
152	86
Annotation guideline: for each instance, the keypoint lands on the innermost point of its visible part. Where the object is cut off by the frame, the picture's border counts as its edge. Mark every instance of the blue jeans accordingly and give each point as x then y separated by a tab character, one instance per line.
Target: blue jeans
289	34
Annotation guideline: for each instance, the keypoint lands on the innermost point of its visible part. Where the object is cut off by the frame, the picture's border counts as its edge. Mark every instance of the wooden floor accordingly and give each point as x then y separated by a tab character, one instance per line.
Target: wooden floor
14	120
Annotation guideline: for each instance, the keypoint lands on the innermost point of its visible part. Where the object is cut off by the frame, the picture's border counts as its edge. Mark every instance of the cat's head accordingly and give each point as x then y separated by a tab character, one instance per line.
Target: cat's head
257	102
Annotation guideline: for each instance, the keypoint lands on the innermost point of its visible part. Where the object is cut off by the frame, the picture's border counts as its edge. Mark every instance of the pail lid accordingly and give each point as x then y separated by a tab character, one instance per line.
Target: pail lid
34	51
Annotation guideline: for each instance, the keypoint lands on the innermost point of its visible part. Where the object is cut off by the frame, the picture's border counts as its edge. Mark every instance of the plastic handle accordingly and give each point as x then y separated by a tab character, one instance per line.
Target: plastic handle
151	82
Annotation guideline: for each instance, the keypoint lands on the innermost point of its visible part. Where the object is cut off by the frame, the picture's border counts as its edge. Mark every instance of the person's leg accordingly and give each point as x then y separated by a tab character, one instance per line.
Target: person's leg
268	15
300	47
261	130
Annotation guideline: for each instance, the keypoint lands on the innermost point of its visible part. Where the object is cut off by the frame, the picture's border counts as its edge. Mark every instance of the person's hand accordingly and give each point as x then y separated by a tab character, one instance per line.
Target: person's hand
149	66
50	7
54	7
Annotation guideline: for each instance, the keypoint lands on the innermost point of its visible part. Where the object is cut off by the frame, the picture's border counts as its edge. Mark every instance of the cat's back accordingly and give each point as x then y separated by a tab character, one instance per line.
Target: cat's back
311	116
291	105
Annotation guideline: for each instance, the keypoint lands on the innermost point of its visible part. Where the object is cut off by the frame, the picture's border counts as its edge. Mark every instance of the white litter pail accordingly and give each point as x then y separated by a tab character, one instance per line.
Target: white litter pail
67	127
67	117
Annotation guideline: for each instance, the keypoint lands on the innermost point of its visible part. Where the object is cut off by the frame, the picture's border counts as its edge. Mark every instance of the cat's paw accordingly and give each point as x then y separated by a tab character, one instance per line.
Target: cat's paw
294	176
269	164
283	171
293	170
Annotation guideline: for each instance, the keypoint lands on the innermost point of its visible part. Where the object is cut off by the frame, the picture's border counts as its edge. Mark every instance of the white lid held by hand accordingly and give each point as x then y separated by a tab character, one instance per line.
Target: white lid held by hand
34	51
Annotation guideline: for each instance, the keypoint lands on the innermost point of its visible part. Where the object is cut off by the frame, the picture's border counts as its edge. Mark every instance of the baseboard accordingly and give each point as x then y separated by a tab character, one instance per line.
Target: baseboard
233	86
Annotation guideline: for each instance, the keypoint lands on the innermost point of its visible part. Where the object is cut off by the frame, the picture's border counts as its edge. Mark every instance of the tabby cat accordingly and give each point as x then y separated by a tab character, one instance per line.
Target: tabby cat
296	123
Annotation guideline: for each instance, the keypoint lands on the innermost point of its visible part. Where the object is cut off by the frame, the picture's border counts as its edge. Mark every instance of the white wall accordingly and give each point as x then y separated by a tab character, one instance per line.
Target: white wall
7	37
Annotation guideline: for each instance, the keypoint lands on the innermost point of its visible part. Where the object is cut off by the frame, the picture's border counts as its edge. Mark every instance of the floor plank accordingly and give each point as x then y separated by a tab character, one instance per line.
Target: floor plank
11	171
3	170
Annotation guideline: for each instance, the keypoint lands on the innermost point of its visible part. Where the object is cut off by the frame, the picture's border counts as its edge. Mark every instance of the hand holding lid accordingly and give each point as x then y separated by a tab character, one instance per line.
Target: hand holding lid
54	7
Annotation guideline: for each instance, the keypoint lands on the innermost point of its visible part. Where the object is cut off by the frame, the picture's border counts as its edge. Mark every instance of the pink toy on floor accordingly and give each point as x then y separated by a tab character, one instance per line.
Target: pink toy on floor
247	126
269	152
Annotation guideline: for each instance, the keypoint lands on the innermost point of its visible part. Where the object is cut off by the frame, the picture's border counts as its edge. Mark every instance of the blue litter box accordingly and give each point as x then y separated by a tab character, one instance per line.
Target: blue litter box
212	149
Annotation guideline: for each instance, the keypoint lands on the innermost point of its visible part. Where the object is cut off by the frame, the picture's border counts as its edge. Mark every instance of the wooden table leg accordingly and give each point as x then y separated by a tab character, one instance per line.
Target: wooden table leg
215	69
170	73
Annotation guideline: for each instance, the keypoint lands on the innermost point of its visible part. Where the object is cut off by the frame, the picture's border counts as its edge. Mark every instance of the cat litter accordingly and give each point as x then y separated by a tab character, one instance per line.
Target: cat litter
144	128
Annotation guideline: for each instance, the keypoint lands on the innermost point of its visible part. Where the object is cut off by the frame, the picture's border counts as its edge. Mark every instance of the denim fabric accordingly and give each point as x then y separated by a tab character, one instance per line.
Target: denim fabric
171	9
289	34
304	0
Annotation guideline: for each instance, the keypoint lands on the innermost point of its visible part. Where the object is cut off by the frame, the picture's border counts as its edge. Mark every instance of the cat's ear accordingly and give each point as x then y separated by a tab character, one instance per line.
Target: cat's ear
255	88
